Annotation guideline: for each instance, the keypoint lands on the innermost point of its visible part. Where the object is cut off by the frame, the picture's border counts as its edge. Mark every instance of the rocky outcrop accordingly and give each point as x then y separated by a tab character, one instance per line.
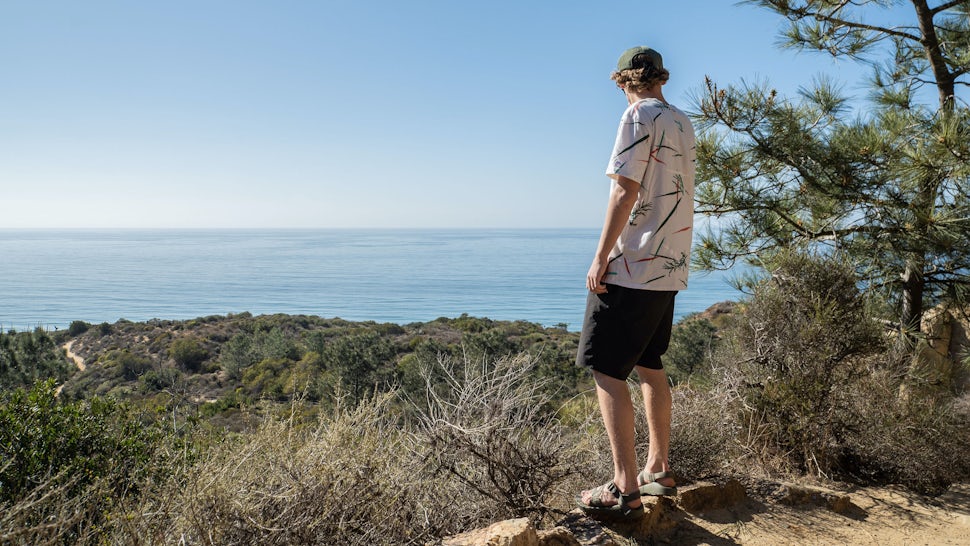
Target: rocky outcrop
513	532
705	497
664	518
575	529
947	342
802	496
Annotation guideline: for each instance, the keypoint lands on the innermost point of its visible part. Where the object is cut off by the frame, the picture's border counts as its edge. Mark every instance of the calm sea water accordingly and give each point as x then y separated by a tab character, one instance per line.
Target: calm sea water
49	278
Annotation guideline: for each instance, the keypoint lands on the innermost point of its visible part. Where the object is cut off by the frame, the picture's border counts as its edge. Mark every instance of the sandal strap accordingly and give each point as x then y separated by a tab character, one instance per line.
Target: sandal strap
649	477
596	495
624	499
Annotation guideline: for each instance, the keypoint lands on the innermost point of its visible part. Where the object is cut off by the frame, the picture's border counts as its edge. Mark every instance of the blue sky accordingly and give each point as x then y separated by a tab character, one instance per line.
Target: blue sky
303	114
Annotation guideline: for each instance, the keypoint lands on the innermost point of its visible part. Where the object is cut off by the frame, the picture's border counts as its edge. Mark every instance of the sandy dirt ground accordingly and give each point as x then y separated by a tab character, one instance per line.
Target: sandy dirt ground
77	359
878	516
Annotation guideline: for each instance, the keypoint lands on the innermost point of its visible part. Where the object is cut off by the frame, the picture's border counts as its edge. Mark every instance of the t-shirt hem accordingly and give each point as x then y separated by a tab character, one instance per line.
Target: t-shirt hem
651	286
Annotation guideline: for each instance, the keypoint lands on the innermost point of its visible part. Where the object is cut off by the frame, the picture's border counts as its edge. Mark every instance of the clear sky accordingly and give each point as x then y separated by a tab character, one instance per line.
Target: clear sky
327	113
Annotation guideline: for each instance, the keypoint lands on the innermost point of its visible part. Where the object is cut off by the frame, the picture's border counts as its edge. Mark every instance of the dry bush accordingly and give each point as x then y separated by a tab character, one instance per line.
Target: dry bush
920	441
702	432
799	342
489	427
54	512
353	478
813	386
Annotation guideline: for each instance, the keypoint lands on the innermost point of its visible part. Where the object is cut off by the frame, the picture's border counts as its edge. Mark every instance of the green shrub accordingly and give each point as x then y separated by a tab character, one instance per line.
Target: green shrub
692	341
161	379
469	324
238	354
267	378
274	343
361	361
233	400
85	456
188	353
77	328
131	366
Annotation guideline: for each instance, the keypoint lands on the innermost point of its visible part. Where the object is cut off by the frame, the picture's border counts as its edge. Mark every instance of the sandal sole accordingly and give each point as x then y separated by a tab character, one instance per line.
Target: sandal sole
607	513
654	489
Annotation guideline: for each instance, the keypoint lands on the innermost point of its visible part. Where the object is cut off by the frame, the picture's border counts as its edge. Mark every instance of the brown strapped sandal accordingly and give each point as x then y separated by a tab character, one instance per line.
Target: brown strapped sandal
619	511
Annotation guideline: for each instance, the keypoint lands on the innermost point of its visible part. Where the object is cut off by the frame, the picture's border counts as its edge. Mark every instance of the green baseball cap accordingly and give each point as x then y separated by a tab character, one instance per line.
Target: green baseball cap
637	57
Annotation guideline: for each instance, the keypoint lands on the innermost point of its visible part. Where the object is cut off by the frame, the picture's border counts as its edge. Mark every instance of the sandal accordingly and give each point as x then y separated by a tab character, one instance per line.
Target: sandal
650	486
620	511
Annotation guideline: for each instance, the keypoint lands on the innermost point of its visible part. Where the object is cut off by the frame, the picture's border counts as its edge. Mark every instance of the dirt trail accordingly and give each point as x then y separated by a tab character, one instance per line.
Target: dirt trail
77	359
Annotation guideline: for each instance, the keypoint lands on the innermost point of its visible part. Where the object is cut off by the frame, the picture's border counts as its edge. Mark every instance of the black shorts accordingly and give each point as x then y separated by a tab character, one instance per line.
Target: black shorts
625	327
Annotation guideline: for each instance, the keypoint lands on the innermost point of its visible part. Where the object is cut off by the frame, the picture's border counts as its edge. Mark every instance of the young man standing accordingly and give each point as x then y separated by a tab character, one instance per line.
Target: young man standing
641	262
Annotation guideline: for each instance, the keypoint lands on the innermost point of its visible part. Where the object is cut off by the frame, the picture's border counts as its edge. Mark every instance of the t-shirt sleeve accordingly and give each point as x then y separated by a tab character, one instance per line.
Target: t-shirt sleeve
631	152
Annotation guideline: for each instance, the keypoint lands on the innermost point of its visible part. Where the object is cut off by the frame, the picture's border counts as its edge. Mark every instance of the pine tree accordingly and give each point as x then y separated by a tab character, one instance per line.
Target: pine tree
885	182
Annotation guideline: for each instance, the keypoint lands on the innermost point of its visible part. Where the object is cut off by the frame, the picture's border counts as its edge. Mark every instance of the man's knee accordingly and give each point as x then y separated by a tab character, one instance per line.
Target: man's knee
608	382
651	376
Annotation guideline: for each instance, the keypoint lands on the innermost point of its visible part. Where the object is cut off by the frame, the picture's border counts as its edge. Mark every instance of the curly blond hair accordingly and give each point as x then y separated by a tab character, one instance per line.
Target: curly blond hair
640	79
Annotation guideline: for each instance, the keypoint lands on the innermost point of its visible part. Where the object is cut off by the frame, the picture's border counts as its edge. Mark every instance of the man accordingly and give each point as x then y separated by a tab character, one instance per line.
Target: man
641	262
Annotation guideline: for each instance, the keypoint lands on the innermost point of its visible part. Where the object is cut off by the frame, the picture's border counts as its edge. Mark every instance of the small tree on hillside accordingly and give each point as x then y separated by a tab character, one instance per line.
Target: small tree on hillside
888	185
188	353
361	361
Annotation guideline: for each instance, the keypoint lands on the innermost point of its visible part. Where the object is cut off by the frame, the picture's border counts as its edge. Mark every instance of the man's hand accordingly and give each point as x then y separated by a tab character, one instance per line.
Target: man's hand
596	275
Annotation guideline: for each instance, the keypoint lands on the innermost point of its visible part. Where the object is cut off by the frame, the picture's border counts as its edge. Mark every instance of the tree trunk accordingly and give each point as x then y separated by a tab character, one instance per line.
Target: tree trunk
934	54
912	312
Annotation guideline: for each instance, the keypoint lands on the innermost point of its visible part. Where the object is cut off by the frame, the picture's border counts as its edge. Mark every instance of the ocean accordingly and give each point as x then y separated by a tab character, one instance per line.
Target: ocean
49	278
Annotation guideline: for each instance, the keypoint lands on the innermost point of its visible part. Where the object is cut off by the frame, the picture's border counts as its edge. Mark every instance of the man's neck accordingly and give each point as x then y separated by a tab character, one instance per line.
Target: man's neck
652	93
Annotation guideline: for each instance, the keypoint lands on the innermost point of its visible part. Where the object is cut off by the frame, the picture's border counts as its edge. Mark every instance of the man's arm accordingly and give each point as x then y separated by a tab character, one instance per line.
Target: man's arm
622	199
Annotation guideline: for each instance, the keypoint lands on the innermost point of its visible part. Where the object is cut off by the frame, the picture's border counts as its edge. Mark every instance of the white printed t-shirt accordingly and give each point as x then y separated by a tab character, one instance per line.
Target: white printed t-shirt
654	146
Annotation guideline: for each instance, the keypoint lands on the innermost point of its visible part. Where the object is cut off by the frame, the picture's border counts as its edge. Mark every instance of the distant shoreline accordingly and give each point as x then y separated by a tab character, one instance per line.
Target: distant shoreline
52	327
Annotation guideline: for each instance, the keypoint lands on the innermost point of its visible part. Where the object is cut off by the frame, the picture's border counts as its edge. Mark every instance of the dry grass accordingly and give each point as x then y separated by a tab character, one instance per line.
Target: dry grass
53	513
351	478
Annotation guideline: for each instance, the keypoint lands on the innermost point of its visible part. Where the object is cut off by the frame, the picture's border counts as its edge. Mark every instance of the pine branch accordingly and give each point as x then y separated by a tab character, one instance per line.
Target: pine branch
948	5
804	13
943	278
841	233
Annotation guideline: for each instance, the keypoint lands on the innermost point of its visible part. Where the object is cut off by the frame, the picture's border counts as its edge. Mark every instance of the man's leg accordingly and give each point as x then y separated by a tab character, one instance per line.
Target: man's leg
617	409
657	399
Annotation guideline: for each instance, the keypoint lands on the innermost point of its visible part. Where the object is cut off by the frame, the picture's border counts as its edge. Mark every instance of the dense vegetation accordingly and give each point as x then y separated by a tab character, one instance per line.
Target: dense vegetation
221	363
